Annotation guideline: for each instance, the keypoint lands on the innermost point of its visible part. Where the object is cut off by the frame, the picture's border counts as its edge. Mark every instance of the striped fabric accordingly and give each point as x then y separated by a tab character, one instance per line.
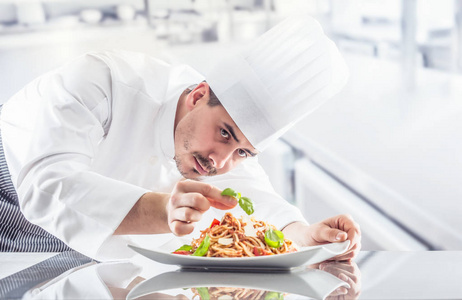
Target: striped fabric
16	233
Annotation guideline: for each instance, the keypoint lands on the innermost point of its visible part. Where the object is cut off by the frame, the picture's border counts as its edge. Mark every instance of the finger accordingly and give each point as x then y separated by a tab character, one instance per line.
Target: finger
340	291
330	235
227	204
349	254
193	200
212	193
137	280
355	285
342	274
180	228
347	224
186	214
343	290
347	266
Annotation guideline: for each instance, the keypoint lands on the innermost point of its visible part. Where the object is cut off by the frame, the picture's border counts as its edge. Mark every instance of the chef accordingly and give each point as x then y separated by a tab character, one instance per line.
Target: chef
115	143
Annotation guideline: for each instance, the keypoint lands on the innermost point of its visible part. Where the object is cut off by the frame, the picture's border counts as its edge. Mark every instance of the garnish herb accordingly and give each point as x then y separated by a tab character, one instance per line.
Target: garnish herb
184	248
274	238
274	296
245	203
203	247
230	192
203	293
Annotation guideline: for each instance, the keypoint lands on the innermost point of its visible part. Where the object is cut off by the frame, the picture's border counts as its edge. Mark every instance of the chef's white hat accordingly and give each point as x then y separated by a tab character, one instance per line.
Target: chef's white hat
280	78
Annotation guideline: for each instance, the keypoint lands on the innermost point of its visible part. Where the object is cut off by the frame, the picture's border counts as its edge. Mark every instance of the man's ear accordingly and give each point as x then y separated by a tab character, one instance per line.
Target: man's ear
200	92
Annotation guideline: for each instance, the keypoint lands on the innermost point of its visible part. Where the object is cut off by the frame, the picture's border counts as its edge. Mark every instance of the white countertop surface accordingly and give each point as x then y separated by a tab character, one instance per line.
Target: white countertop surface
379	274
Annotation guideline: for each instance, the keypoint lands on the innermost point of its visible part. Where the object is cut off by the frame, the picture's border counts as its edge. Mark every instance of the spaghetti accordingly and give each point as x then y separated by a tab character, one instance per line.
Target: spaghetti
243	237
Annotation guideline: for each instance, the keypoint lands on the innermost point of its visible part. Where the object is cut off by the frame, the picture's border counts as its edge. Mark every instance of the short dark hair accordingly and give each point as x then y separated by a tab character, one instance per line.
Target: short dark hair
213	101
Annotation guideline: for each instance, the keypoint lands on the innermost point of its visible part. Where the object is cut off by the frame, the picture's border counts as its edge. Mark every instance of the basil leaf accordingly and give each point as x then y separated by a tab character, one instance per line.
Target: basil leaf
203	247
274	296
184	248
247	205
203	293
274	238
230	192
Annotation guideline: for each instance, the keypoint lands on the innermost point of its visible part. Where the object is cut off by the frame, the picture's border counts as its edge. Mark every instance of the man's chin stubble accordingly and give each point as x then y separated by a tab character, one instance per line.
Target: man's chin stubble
193	170
183	173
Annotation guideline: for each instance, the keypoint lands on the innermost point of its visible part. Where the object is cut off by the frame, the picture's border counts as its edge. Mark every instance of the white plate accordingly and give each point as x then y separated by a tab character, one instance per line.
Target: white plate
306	255
312	283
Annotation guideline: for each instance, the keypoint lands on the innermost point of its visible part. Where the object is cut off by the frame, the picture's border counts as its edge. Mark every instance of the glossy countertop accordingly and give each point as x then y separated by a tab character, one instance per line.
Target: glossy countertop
371	275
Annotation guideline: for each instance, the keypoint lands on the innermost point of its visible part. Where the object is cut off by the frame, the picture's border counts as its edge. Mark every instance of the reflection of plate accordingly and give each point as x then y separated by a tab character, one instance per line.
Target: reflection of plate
306	255
311	283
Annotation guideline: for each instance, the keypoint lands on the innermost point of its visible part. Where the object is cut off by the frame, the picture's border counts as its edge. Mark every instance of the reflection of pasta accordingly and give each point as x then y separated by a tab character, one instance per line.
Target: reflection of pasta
213	293
231	238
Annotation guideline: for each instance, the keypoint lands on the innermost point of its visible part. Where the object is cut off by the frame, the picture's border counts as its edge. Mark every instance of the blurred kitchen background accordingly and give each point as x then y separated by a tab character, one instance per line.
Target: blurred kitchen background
387	149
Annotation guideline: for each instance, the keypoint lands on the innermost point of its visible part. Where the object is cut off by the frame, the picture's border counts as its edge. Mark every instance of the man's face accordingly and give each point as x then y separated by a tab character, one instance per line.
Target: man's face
208	142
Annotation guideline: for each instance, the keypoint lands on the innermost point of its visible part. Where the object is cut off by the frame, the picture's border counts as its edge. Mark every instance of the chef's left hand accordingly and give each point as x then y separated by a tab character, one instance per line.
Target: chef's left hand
332	230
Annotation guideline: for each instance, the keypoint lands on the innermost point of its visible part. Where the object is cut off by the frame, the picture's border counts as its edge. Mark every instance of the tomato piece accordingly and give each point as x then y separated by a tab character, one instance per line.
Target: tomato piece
291	250
182	252
215	222
257	251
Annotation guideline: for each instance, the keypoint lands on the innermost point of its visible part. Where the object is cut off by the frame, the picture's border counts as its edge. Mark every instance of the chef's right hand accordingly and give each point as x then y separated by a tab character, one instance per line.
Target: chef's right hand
189	200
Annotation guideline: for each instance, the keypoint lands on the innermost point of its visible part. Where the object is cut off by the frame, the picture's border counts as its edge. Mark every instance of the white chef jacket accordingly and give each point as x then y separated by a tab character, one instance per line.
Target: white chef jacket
84	142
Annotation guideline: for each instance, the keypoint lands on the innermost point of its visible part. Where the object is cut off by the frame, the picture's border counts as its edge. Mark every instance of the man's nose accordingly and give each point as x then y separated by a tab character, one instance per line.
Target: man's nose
220	157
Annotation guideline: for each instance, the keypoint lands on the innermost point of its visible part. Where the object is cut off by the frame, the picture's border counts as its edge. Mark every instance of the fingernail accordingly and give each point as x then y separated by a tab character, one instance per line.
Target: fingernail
338	237
341	291
229	200
232	200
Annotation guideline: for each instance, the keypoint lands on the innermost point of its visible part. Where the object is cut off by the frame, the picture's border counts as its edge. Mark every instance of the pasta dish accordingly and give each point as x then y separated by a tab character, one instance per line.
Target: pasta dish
217	293
243	237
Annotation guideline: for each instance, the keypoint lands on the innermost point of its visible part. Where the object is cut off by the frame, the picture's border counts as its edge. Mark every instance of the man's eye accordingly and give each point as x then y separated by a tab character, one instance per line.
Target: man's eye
241	153
224	133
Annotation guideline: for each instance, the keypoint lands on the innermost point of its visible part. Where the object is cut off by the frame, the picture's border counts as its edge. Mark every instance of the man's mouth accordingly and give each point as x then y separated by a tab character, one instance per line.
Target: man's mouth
199	168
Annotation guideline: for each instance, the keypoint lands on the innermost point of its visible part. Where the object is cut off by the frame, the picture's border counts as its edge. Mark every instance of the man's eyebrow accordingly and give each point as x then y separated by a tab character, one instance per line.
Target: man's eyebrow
231	130
233	134
250	152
